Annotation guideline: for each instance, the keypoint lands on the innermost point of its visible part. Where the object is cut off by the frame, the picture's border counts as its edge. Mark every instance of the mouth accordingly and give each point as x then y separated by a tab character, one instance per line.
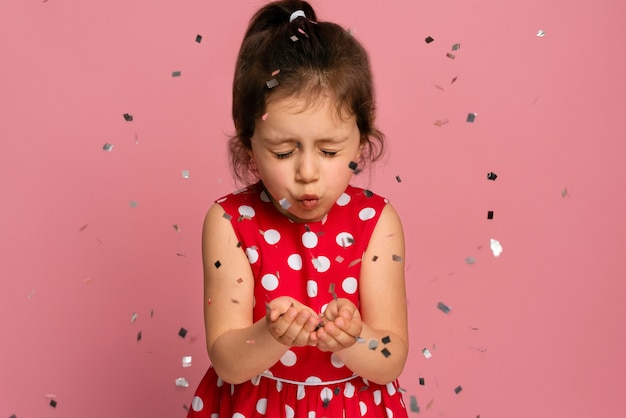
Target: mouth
309	201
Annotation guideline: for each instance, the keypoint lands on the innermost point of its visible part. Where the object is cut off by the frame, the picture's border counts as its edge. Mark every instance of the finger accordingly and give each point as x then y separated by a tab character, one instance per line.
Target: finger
339	335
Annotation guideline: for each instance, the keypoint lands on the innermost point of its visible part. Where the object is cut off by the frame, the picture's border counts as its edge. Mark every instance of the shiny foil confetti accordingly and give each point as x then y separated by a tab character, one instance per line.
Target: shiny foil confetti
186	361
271	83
564	193
441	122
451	56
331	290
398	179
275	72
284	203
429	39
426	353
492	176
181	382
53	403
496	247
198	38
422	381
133	317
176	228
471	117
294	38
396	257
107	147
541	33
443	307
353	165
454	79
470	260
490	214
227	216
385	352
458	389
386	340
185	174
139	336
176	73
133	204
218	264
413	406
456	47
182	332
128	117
373	344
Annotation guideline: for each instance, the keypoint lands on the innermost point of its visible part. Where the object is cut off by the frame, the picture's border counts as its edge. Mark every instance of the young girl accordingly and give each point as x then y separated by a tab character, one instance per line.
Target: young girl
305	305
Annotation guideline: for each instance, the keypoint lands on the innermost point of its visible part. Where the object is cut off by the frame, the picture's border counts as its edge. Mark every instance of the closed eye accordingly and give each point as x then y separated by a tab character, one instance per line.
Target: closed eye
283	155
329	153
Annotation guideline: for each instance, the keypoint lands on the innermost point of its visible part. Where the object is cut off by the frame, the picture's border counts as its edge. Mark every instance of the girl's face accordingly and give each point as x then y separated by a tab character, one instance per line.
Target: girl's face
303	155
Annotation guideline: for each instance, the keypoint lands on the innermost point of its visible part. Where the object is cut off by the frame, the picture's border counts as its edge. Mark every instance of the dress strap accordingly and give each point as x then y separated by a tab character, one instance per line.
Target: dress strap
295	382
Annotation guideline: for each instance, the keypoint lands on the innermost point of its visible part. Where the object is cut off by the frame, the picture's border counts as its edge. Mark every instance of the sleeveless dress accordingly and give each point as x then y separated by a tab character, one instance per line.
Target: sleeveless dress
311	262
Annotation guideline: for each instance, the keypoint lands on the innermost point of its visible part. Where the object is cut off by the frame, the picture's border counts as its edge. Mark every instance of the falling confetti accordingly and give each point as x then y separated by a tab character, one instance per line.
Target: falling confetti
198	38
398	179
443	307
414	407
107	147
458	389
422	381
182	332
227	216
451	56
375	258
284	203
181	382
294	38
490	214
353	165
441	122
492	176
564	193
471	117
271	83
133	204
426	353
385	352
53	403
429	39
185	174
176	73
470	260
187	361
82	228
331	290
454	79
133	317
139	336
275	72
456	47
128	117
217	264
176	228
541	33
373	344
396	257
386	340
368	193
496	247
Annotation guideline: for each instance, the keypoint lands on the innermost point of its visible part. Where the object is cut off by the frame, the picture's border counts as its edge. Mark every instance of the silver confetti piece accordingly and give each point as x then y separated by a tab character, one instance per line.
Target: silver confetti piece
185	174
181	382
187	361
107	147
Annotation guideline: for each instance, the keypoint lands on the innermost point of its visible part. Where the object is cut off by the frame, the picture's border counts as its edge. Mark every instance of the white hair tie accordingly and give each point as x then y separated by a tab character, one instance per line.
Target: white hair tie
295	15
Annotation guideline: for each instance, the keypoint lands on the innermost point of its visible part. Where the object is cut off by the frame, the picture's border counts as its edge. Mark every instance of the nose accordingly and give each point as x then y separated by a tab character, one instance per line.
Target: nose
307	168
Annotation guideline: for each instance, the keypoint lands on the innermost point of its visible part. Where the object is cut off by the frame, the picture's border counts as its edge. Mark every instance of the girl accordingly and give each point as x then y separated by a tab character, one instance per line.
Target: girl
305	305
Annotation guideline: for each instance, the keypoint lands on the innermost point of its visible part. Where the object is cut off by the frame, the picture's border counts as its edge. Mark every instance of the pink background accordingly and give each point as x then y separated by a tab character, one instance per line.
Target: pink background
87	236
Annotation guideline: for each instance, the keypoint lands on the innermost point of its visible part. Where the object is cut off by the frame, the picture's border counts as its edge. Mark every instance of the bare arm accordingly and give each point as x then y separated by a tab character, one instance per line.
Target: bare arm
238	348
383	315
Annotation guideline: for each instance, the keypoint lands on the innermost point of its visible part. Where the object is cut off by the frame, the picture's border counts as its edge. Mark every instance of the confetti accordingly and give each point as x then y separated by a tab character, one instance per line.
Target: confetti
133	317
185	174
82	228
151	313
331	290
426	353
368	193
284	203
422	381
458	389
451	56
325	402
354	263
182	332
227	216
53	403
564	193
398	179
443	307
414	407
396	257
492	176
386	340
373	344
128	117
360	340
339	259
353	165
375	258
456	47
441	122
264	117
107	147
217	264
294	38
541	33
470	260
429	39
490	214
176	73
133	204
176	228
496	247
471	117
385	352
240	280
139	336
235	301
271	83
181	382
186	361
275	72
198	38
454	79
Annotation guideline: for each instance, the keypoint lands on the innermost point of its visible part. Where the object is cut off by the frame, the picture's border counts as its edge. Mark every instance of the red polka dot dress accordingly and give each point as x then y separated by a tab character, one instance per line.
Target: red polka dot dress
305	261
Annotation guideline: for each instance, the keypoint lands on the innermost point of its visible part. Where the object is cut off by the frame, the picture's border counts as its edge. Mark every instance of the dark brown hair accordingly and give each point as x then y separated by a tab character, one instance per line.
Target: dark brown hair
303	58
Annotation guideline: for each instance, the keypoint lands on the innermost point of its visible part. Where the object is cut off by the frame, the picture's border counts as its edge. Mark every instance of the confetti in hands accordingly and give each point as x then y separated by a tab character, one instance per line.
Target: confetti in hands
342	326
291	323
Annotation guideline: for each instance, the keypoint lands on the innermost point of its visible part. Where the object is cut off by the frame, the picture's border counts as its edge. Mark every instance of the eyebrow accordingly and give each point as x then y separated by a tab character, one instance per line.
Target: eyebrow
281	141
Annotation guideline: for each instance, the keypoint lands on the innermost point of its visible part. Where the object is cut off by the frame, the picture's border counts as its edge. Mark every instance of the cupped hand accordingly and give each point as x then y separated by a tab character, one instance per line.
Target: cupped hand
291	323
342	326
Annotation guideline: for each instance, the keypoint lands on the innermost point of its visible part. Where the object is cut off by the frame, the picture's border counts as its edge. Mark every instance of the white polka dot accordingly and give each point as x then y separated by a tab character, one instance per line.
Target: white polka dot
363	408
344	239
322	265
336	361
215	415
349	390
264	197
326	394
269	282
311	414
300	393
344	199
311	288
309	239
245	210
295	262
271	236
256	380
279	386
367	213
261	406
243	189
289	358
253	255
289	412
313	379
389	412
378	397
238	415
324	306
349	285
197	404
391	389
220	382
